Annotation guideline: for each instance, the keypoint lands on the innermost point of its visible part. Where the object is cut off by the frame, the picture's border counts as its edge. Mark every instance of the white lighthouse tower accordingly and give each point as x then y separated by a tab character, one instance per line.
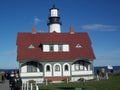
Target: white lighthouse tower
54	20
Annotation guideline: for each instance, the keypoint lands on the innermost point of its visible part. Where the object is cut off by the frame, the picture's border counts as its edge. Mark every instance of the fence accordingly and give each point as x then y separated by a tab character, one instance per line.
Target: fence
31	86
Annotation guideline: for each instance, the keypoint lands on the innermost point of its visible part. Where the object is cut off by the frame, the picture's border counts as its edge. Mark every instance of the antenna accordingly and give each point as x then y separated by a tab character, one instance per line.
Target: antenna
53	3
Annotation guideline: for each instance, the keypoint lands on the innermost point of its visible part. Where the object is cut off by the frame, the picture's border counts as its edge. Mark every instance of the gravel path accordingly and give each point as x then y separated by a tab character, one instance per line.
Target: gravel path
5	85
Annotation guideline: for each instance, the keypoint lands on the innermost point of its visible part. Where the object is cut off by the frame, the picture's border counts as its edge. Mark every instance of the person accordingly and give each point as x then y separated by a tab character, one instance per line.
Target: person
17	82
98	72
11	80
3	77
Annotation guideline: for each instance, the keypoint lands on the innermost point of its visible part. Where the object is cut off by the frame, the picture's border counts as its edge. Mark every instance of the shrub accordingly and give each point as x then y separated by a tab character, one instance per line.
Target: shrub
81	79
32	81
66	80
48	81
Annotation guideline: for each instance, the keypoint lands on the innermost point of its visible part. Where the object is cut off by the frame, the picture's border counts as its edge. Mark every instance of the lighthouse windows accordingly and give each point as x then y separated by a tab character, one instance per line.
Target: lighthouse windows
54	21
54	12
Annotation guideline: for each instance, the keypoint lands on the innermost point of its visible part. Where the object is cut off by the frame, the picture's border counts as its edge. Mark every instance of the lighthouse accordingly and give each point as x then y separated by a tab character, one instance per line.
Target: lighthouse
54	23
55	56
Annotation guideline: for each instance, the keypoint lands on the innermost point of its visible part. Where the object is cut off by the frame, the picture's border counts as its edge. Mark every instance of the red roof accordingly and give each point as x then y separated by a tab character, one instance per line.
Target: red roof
24	40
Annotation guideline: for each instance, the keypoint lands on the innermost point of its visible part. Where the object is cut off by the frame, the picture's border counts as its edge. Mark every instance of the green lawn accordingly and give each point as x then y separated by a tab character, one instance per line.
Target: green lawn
113	83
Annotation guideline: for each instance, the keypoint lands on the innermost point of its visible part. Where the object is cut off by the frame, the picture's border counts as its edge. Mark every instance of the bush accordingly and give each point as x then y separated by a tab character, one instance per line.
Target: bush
81	79
66	80
32	81
48	81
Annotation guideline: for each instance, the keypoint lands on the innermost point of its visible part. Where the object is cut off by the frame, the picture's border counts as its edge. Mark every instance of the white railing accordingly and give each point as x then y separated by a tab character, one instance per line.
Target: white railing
32	86
82	72
31	74
27	86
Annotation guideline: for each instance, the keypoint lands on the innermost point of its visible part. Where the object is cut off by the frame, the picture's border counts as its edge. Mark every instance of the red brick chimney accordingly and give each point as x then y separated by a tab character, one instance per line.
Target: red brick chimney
72	30
34	30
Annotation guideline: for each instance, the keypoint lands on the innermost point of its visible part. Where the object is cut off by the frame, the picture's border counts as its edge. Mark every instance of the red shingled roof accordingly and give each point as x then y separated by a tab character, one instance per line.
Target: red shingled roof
24	40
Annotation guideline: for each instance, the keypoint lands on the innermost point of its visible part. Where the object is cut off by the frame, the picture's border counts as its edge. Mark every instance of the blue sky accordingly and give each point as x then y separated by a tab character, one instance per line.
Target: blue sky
100	18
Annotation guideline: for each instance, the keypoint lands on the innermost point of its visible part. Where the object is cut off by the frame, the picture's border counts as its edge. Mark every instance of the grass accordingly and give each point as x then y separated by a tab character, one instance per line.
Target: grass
113	83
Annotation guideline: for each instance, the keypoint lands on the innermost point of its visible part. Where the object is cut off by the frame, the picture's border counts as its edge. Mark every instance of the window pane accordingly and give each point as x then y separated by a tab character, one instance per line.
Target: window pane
66	67
57	68
81	65
60	47
76	66
47	68
51	48
31	67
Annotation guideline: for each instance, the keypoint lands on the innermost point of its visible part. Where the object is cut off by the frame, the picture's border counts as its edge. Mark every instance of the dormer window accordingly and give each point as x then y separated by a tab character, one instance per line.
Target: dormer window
55	47
78	46
31	46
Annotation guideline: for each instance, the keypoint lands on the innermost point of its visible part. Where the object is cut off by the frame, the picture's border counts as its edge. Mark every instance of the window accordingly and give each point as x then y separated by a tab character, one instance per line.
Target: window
79	65
66	48
47	68
66	67
57	68
51	48
78	46
54	47
31	46
31	67
60	47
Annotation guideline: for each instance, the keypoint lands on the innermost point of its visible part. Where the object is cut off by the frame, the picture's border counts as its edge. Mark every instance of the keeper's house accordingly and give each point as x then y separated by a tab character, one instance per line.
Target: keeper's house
54	55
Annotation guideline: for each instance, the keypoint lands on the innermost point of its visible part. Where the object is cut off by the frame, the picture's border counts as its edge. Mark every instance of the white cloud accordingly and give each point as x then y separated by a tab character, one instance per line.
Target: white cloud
100	27
36	20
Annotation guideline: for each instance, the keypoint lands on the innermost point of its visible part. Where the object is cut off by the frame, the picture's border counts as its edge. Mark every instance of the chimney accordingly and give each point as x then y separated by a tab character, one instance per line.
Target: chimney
34	30
72	30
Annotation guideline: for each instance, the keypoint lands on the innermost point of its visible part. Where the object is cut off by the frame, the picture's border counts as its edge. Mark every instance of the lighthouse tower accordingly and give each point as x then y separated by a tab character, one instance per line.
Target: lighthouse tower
54	20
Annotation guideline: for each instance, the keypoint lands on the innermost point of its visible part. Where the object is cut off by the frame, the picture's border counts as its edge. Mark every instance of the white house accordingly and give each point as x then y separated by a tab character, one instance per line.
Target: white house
54	55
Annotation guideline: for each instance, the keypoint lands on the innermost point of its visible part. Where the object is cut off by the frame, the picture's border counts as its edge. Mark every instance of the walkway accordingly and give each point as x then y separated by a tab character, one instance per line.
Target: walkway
5	85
